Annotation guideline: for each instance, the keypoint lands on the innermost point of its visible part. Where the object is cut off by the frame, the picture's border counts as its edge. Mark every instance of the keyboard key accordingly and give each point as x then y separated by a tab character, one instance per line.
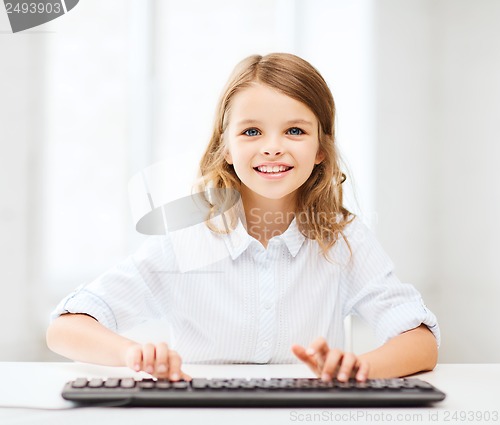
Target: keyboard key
215	385
199	383
361	385
79	383
95	383
394	384
127	383
147	384
180	385
112	383
163	384
343	385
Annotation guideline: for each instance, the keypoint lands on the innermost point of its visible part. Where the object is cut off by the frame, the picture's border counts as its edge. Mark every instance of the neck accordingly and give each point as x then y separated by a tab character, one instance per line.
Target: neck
266	217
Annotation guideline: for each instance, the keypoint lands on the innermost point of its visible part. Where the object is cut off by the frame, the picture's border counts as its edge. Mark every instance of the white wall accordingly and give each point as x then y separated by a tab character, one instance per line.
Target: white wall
21	119
438	197
469	201
64	210
404	45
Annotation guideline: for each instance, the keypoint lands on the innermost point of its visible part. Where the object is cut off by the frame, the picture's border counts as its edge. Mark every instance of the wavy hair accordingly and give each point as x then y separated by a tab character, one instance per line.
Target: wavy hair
319	200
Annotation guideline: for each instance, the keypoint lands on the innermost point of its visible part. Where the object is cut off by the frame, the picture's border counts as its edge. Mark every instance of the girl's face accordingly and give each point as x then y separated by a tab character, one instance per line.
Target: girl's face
272	141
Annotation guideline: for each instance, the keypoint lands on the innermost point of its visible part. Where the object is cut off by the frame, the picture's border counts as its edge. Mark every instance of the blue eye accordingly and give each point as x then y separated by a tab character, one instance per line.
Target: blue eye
252	132
295	131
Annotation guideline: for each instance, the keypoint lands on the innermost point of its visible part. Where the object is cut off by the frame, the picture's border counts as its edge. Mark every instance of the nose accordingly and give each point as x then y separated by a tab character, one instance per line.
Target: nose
272	152
272	147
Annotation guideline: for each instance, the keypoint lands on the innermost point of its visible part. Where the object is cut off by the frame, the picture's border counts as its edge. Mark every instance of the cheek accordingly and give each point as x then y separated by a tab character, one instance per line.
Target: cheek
307	155
241	168
240	156
235	158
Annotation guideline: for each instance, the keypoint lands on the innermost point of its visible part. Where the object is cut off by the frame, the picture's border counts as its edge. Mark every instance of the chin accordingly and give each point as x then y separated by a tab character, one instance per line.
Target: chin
273	196
271	193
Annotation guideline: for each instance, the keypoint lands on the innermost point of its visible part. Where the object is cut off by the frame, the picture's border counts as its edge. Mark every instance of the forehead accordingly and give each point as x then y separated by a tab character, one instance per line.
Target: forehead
260	102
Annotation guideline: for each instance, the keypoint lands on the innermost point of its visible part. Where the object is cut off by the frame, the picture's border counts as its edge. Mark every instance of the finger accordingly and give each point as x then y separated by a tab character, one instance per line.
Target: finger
363	370
174	365
318	346
320	360
348	363
300	352
333	360
148	358
319	350
161	361
186	377
134	358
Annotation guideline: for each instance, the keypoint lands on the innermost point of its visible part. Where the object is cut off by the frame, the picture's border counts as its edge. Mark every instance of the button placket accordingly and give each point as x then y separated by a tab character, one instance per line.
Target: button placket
266	301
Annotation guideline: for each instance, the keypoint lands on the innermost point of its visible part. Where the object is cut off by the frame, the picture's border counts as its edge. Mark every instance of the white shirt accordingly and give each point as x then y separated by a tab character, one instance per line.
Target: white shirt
252	304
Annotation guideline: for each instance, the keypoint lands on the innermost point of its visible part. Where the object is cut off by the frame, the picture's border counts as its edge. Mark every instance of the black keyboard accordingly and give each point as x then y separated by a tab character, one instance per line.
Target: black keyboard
275	392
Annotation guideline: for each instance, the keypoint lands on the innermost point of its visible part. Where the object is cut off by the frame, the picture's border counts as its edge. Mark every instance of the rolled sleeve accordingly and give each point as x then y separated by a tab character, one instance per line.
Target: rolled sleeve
406	316
85	302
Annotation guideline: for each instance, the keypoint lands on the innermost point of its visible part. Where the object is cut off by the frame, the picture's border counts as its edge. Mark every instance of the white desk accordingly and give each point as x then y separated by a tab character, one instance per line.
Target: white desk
30	394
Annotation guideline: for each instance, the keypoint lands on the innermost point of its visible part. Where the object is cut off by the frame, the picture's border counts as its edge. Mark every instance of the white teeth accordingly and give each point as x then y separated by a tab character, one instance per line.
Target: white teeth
273	169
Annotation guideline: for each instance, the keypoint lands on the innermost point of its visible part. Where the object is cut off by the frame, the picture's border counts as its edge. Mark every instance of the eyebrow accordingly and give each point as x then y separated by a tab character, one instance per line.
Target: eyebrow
290	122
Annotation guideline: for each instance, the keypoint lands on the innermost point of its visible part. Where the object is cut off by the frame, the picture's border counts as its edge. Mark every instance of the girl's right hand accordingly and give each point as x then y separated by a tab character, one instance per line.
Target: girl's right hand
157	360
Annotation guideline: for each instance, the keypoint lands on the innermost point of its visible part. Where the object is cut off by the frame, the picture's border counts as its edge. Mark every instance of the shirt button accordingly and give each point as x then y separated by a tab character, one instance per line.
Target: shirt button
267	306
265	344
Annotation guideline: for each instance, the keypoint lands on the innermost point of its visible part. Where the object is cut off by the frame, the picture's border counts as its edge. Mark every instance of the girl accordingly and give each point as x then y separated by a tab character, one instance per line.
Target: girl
298	268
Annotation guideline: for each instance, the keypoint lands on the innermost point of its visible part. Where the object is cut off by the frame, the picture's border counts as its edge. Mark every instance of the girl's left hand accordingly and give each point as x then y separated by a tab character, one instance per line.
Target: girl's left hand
327	363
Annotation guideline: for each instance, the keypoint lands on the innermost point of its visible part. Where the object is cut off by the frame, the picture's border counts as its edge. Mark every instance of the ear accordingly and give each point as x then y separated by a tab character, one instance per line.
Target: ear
320	156
228	157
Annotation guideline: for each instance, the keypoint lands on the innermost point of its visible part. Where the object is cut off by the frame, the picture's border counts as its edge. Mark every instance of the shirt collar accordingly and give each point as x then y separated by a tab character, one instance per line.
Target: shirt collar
293	238
239	240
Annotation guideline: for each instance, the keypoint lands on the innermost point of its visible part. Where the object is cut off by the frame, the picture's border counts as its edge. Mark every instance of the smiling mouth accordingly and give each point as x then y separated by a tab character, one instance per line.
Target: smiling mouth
276	169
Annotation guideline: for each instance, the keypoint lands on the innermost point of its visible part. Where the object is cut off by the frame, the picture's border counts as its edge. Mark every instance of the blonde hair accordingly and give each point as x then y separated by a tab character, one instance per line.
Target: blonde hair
319	199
